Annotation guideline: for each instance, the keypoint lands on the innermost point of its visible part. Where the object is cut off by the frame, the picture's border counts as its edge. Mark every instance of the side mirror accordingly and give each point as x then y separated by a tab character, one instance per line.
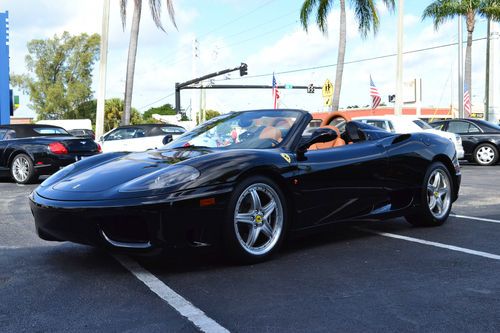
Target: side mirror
168	138
101	138
319	135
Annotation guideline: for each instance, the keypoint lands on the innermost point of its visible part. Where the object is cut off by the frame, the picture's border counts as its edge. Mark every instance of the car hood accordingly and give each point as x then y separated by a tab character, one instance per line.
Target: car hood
118	171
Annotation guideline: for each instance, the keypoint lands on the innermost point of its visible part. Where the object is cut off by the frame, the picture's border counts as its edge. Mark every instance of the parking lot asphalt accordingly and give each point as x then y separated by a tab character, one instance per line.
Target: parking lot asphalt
380	276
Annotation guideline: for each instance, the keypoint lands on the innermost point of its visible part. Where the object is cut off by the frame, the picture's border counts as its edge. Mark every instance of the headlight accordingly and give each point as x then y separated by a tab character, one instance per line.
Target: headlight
58	176
164	178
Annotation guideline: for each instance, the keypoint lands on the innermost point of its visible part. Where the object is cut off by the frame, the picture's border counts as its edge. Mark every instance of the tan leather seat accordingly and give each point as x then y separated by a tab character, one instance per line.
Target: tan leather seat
270	132
330	144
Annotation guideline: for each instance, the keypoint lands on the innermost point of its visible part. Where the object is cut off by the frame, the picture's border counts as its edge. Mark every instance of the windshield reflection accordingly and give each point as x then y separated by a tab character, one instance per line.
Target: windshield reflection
238	130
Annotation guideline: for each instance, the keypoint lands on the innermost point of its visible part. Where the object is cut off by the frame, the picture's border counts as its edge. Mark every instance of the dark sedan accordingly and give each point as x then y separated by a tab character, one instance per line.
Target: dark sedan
28	151
480	139
246	179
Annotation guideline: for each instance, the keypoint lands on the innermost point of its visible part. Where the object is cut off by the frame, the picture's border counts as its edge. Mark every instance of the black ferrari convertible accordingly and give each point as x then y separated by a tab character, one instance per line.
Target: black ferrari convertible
245	180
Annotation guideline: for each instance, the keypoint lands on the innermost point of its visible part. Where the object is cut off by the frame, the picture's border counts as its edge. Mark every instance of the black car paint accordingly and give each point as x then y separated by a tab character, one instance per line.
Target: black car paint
35	145
488	134
366	180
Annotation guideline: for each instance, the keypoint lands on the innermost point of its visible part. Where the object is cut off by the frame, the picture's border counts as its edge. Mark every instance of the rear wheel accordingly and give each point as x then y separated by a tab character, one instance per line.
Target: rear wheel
256	220
22	170
436	197
485	154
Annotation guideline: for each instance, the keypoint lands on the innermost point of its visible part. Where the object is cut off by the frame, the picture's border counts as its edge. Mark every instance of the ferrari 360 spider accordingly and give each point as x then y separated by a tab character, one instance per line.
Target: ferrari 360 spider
244	180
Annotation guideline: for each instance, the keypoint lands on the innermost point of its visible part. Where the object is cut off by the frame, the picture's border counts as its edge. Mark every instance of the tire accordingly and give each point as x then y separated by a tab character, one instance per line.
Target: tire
252	234
22	170
485	154
436	197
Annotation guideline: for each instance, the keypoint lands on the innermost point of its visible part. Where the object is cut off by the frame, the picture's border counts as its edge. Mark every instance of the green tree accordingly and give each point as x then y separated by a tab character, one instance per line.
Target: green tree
113	111
166	110
60	73
366	16
443	10
209	114
155	7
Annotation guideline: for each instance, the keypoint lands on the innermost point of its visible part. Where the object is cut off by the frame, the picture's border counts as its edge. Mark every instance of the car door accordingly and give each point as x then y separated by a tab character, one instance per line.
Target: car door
468	132
340	183
6	135
118	140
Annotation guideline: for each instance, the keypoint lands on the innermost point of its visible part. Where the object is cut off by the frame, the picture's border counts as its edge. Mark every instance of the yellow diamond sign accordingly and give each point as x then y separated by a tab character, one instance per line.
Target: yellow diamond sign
327	89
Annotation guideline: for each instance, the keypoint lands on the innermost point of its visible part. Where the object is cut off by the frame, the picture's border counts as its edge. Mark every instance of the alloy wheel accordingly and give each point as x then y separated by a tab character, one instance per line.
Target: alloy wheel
20	169
485	154
438	193
258	219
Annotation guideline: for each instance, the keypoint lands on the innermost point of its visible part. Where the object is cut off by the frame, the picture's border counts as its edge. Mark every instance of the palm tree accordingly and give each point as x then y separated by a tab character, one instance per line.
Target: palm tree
442	10
155	7
366	16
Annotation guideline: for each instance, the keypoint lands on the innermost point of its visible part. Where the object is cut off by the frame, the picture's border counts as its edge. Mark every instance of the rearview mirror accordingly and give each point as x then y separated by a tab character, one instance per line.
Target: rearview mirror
168	138
321	134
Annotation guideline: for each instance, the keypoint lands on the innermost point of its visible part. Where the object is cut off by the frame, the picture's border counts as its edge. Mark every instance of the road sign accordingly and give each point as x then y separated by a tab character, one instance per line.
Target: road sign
327	90
328	101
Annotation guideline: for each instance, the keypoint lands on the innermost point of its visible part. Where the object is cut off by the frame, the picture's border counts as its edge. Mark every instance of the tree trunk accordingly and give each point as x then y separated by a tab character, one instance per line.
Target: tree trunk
468	52
132	52
340	58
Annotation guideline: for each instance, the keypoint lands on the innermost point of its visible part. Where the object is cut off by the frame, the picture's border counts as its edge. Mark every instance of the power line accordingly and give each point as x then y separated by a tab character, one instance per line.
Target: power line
333	65
158	100
352	62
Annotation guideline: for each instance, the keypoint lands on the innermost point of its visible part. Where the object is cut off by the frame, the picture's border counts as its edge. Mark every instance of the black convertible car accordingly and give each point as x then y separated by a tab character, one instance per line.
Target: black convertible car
28	151
246	179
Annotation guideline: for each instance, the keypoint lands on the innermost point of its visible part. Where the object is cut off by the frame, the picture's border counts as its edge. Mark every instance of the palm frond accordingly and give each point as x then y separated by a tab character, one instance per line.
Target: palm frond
443	10
322	15
305	12
490	8
123	12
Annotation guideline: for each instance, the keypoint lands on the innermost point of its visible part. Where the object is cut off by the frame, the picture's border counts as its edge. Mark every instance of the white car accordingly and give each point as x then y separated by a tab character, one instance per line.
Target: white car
409	124
138	137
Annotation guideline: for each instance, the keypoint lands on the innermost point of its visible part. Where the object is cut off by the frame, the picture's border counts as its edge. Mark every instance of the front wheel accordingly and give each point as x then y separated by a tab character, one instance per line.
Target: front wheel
22	170
436	197
256	220
485	154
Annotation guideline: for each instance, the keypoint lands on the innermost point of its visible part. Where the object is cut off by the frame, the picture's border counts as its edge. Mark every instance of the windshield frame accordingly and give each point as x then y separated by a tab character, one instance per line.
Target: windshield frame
181	141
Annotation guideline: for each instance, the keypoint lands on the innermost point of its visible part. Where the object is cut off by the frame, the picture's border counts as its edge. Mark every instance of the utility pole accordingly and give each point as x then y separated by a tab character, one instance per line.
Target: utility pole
494	94
398	106
101	95
193	113
460	69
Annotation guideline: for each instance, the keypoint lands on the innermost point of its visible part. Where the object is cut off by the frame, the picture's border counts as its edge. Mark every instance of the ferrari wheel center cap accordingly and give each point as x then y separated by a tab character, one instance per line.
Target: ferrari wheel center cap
258	219
436	194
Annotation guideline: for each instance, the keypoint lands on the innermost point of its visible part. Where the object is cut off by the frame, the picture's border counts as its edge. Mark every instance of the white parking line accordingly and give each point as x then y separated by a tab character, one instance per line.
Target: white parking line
179	303
475	218
436	244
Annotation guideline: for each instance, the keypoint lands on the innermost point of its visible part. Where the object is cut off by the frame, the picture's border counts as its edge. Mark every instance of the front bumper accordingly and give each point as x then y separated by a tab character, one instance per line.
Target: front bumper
135	225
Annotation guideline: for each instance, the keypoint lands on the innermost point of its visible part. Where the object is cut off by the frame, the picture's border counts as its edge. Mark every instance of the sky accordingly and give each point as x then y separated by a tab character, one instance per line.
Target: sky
265	34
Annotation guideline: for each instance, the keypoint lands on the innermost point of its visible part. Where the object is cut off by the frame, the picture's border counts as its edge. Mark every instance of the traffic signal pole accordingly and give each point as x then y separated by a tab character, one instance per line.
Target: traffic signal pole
178	86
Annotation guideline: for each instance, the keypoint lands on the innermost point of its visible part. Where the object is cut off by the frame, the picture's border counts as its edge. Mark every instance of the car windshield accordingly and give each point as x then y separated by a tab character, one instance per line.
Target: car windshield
50	131
238	130
422	124
489	124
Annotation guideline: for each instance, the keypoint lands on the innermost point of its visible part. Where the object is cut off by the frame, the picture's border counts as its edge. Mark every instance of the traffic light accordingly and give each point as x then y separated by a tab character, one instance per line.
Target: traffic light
310	89
243	69
391	98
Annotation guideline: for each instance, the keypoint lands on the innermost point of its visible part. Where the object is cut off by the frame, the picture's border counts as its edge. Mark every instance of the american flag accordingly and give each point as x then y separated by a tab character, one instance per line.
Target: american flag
467	102
374	94
276	93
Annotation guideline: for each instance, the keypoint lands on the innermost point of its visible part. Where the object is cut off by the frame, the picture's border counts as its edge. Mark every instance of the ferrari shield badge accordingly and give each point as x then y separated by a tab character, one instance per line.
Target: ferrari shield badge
286	157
